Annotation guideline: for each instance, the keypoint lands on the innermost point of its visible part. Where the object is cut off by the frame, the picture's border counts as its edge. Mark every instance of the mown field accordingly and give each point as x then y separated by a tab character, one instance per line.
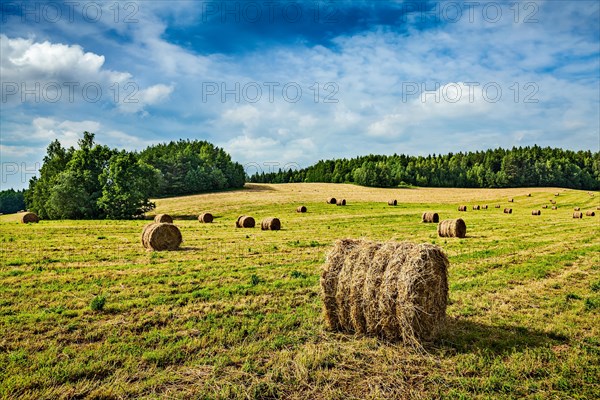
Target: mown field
86	312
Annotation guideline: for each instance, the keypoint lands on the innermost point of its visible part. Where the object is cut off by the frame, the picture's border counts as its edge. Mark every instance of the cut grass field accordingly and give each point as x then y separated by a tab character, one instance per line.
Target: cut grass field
86	312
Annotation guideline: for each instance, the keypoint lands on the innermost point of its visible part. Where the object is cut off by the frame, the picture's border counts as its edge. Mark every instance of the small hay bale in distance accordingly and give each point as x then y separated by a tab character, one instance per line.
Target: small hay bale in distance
475	207
163	218
462	208
29	218
394	290
484	207
161	236
205	217
536	212
554	207
528	194
245	221
452	228
553	201
577	209
430	217
497	206
508	211
545	206
590	214
301	209
577	214
392	202
270	224
511	200
341	202
557	194
331	200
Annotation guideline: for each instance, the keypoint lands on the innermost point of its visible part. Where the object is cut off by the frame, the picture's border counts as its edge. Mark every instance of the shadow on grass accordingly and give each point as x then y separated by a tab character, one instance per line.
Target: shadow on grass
462	336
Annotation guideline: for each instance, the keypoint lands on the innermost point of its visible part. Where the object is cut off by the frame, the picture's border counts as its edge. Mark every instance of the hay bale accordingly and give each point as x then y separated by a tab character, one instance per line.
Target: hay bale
511	200
528	194
577	214
536	212
475	207
245	221
553	201
590	214
270	224
392	202
462	208
452	228
598	208
394	290
29	218
430	217
545	206
508	211
497	206
331	200
341	202
161	236
554	207
205	217
576	209
163	218
557	194
301	209
484	207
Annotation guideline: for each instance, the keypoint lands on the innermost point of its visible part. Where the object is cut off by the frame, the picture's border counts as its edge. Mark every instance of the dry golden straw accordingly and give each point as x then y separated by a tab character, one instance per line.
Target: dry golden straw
245	221
452	228
161	236
206	217
341	202
430	217
392	202
331	200
301	209
394	290
508	211
577	214
163	218
536	212
270	224
590	214
475	207
462	208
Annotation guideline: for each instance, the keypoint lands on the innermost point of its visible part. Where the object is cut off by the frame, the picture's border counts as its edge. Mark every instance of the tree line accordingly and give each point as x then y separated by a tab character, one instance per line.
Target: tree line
494	168
95	181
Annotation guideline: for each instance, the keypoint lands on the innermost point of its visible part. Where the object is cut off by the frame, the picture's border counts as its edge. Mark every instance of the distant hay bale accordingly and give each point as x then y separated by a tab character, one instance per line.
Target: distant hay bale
590	214
576	209
497	206
163	218
301	209
430	217
528	194
484	207
545	206
598	208
270	224
536	212
577	214
462	208
508	211
392	202
554	207
475	207
341	202
452	228
29	218
511	200
553	201
245	221
557	194
205	217
331	200
394	290
161	236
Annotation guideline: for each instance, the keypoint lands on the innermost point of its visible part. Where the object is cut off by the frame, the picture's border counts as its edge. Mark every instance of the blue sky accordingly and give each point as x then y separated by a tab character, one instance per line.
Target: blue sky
280	84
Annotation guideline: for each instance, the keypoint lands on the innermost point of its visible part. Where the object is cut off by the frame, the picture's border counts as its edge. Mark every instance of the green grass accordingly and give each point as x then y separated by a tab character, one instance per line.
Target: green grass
86	312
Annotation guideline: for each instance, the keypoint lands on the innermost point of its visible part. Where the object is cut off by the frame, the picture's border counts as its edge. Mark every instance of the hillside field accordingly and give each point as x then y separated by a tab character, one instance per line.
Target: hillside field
86	312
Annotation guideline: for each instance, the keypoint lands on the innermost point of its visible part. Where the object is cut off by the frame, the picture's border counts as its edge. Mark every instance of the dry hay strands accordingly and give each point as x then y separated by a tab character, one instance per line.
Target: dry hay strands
497	206
301	209
270	224
163	218
545	206
331	200
245	221
508	211
452	228
577	214
554	207
511	200
205	217
341	202
577	209
590	214
476	207
394	290
536	212
161	236
392	202
462	208
29	218
430	217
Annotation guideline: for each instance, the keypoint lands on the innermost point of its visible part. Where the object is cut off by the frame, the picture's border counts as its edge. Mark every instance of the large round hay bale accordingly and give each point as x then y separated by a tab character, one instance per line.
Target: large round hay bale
301	209
205	217
331	200
452	228
163	218
462	208
392	202
430	217
29	218
475	207
341	202
245	221
577	214
508	211
161	236
536	212
270	224
576	209
394	290
590	214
